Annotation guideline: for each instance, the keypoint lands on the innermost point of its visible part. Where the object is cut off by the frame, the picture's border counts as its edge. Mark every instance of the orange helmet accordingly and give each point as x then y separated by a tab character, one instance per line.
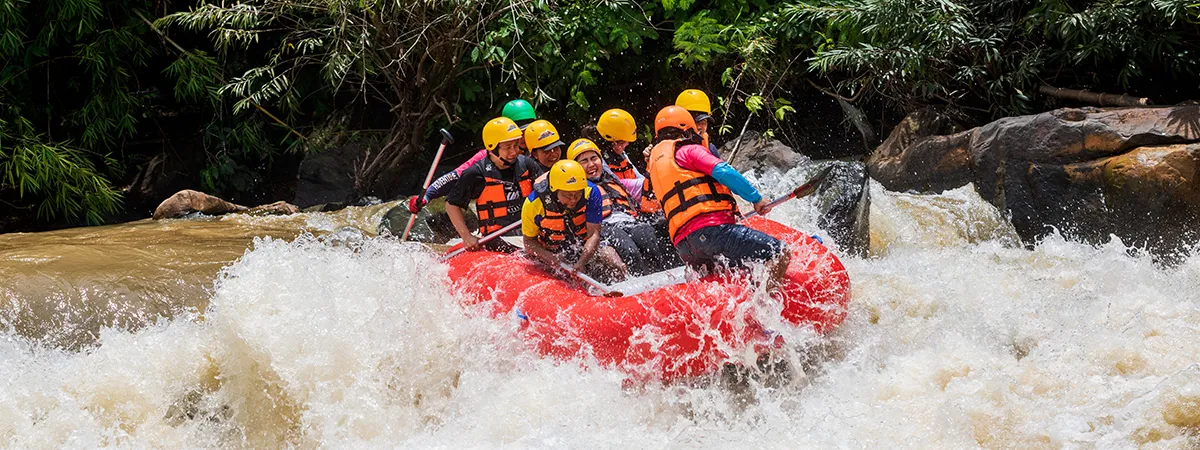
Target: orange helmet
674	116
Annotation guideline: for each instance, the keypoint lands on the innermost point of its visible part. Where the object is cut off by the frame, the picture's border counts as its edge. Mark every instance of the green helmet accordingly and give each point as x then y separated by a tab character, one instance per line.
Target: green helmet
519	110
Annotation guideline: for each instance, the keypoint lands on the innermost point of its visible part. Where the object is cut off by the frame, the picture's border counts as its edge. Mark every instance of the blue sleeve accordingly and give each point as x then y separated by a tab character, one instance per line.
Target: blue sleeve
728	176
441	186
713	149
595	206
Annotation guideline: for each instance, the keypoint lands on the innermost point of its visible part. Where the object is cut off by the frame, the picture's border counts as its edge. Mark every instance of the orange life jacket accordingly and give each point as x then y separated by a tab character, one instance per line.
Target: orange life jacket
560	225
622	168
650	204
684	193
499	204
615	196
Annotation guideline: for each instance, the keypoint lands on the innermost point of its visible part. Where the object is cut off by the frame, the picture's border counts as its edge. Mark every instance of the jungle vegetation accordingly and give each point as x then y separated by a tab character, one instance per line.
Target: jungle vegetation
94	94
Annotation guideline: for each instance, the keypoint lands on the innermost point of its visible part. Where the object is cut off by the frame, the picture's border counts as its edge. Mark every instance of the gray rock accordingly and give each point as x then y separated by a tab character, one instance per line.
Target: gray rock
1087	172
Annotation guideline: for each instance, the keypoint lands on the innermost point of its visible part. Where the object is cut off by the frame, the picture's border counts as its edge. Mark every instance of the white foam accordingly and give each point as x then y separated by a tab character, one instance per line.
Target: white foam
358	343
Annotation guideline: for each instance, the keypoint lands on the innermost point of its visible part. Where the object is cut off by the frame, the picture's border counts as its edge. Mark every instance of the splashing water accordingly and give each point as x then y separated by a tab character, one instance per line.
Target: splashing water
956	338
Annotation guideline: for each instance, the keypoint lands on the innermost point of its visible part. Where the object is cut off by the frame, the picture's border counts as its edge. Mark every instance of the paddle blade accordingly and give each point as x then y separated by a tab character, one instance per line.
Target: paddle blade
813	183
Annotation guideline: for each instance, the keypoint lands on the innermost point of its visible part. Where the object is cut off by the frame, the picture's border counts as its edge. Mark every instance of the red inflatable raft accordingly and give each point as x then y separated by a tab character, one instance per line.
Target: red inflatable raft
680	330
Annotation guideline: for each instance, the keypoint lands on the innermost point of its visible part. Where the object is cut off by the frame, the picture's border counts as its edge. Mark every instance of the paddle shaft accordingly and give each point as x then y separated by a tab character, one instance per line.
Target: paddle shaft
428	179
458	249
608	292
803	191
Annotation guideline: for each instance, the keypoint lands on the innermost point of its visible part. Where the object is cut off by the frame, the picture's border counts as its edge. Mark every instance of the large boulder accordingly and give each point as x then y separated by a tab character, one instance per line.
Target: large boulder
761	154
327	176
1089	172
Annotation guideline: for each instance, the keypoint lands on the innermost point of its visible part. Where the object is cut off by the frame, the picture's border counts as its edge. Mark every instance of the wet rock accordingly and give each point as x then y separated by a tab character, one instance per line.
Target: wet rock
1087	172
844	200
761	154
188	201
280	208
337	206
327	176
432	225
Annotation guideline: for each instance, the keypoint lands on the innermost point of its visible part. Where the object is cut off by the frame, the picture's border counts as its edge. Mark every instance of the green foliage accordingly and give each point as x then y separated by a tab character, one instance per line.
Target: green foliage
60	177
987	56
561	51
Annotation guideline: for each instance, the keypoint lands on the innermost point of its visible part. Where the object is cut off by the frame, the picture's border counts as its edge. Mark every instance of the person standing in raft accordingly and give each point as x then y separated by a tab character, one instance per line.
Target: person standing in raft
696	190
520	111
561	221
544	143
635	241
697	103
497	184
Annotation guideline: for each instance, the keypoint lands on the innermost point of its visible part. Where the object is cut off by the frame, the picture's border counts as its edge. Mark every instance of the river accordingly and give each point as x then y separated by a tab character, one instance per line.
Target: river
269	332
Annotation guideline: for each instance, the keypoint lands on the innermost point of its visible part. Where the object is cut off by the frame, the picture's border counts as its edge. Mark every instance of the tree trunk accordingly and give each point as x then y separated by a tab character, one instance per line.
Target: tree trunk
1095	98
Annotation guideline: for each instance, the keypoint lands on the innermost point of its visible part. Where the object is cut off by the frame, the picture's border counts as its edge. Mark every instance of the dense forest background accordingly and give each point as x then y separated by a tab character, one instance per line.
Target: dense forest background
106	106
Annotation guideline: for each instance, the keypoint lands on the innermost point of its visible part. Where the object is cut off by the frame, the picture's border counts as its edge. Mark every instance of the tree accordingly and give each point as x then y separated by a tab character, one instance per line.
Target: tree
403	54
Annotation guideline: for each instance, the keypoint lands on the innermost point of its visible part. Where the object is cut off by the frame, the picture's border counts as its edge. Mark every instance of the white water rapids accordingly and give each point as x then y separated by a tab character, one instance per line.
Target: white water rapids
955	339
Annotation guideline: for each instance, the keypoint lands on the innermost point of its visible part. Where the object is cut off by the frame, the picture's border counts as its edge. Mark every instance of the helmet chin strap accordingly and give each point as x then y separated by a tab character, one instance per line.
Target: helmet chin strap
496	153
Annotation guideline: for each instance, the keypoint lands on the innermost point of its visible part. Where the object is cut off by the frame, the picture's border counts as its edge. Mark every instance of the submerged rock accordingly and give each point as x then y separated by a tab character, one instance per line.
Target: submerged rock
1088	172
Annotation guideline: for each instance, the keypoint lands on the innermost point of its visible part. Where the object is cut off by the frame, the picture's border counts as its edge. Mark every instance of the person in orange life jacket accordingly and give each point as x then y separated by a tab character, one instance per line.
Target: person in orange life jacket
696	190
697	103
497	184
635	241
520	111
544	143
561	222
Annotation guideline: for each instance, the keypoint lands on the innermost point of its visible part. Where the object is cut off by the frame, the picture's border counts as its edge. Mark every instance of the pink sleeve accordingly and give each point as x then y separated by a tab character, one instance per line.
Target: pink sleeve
695	157
482	153
634	188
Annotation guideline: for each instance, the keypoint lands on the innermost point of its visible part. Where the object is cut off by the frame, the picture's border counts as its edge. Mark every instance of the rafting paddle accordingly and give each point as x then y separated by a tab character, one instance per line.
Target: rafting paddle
458	248
604	289
447	139
804	190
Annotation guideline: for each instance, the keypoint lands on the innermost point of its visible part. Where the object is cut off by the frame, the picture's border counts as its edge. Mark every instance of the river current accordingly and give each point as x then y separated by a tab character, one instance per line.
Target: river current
268	332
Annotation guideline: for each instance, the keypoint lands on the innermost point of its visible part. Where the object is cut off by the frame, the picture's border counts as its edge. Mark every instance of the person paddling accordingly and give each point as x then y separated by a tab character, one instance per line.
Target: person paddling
520	111
561	223
696	190
697	103
497	184
639	246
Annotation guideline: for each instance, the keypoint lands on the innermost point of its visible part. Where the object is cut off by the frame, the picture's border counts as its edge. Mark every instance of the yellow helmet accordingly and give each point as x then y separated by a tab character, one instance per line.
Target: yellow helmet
695	101
541	135
581	146
567	175
617	125
500	129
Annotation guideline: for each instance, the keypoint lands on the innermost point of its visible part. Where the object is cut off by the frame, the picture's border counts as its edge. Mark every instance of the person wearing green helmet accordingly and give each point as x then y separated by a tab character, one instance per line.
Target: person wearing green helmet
520	111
